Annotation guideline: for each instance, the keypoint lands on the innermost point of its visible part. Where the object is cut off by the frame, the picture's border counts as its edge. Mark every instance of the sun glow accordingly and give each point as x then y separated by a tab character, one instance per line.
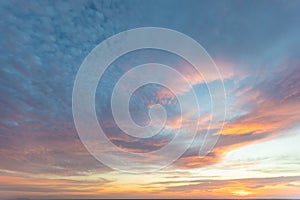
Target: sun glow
241	193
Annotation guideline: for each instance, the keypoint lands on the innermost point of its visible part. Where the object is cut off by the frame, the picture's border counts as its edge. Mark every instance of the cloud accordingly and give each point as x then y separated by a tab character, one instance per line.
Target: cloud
268	113
255	187
33	187
40	54
43	44
272	104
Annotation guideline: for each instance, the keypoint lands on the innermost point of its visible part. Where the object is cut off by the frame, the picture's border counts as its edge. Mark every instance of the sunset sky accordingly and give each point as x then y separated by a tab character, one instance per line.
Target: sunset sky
256	46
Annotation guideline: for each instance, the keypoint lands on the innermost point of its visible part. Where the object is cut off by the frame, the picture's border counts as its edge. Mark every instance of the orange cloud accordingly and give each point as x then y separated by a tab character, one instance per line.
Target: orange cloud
13	186
250	188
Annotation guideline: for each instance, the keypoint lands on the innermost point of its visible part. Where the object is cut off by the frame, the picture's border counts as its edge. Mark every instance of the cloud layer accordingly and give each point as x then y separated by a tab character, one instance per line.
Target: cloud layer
42	44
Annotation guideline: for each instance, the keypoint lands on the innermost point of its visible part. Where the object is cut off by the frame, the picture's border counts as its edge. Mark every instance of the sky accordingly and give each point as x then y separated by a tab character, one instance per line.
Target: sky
255	45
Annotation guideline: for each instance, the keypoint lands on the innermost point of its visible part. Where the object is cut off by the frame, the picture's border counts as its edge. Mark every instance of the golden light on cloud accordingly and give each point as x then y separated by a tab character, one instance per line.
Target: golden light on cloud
246	128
